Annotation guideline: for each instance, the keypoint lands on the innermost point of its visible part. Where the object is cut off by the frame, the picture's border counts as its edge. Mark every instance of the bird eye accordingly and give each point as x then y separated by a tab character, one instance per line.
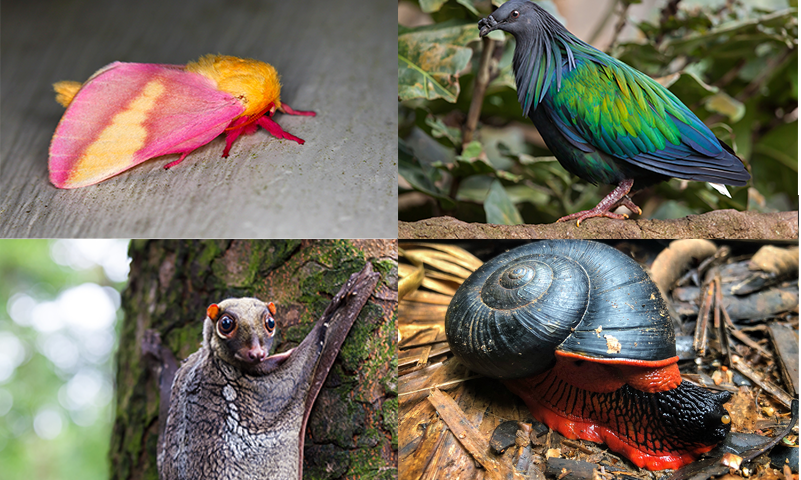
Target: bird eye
226	325
515	14
269	323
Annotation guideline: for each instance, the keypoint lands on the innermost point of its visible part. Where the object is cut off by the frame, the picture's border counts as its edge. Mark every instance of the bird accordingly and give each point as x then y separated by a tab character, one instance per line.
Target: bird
605	121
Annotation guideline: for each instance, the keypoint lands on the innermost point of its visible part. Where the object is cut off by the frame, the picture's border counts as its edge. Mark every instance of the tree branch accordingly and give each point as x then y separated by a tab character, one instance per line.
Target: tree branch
719	224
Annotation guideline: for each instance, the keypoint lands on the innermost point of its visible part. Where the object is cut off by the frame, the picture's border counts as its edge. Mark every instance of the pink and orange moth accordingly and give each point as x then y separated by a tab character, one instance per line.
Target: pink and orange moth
127	113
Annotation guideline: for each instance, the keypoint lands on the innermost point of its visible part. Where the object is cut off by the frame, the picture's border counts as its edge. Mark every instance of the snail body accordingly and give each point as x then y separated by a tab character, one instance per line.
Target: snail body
580	332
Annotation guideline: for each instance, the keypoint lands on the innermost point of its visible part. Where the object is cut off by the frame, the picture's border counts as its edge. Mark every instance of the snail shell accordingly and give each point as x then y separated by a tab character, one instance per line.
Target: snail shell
582	298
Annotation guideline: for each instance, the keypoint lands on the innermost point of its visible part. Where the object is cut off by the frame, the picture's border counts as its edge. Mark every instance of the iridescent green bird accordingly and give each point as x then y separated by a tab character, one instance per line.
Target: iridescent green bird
603	120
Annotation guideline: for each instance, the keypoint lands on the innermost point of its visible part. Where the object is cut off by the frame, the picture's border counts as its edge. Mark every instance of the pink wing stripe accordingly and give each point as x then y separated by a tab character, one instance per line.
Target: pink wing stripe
188	113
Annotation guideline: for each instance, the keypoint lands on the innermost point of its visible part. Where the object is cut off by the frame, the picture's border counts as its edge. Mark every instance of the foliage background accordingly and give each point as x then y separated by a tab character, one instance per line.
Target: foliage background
60	305
733	62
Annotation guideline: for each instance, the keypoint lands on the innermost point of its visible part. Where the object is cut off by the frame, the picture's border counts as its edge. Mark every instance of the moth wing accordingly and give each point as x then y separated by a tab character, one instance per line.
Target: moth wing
127	113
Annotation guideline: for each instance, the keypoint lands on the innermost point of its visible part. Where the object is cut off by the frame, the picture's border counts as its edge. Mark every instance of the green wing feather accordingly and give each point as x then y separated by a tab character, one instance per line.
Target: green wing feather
625	113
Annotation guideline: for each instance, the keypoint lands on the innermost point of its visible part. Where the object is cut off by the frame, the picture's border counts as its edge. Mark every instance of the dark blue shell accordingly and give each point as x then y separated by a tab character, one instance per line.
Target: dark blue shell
581	297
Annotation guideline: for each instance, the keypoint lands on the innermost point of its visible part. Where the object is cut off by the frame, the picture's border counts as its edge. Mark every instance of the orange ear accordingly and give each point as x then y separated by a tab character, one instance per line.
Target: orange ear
271	307
213	311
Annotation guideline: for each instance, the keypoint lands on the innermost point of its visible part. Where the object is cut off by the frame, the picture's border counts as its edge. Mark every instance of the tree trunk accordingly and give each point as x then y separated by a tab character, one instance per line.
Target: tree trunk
352	431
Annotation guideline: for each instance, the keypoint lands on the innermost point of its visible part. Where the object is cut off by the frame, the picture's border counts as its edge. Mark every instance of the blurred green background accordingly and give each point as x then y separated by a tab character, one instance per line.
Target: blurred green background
733	62
57	340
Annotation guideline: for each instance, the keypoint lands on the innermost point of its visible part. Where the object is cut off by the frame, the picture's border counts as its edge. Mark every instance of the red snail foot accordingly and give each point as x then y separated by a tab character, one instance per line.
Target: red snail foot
659	430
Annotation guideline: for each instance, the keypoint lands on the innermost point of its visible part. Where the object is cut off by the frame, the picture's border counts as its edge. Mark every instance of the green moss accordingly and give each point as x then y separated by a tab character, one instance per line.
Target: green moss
210	251
389	417
336	418
367	463
297	333
269	255
376	356
186	340
136	246
390	381
356	348
326	462
384	266
335	251
370	438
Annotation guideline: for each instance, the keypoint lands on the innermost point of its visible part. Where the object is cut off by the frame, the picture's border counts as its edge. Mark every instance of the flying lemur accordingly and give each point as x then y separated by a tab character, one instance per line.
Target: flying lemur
236	413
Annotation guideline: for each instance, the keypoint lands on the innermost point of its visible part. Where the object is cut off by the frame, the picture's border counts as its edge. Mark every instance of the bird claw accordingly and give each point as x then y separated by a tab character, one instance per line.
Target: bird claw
595	212
619	196
628	203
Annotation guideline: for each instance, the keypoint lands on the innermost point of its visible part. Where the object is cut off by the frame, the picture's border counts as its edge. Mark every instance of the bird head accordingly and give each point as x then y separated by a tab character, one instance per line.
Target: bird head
514	16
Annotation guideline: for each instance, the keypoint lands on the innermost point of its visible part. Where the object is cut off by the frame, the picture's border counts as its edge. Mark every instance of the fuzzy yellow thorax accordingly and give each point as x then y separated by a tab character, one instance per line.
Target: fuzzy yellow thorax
65	91
252	82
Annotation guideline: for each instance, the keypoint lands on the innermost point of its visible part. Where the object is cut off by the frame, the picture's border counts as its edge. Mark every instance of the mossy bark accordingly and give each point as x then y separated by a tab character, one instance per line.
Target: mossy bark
172	282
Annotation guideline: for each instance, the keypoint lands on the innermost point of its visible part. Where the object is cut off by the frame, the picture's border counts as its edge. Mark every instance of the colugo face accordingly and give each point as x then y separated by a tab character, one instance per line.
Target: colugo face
240	332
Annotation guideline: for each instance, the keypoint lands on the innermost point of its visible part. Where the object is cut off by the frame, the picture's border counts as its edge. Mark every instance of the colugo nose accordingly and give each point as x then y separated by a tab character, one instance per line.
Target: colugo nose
257	354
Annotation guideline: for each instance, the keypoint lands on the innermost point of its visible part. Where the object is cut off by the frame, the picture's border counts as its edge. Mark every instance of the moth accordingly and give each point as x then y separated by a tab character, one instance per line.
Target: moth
127	113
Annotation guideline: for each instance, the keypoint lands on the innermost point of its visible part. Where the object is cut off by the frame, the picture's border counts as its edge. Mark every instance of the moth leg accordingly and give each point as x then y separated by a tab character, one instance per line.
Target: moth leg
284	108
172	164
272	127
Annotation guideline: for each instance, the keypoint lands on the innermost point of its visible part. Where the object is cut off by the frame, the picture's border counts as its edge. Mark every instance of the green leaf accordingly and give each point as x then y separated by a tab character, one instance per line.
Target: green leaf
411	171
470	162
468	4
509	176
472	150
723	104
474	189
430	59
499	207
429	6
440	130
782	145
741	35
690	88
524	193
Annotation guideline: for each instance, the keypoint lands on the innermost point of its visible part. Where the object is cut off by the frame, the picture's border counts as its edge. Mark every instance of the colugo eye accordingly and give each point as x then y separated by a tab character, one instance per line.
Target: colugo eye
226	325
269	322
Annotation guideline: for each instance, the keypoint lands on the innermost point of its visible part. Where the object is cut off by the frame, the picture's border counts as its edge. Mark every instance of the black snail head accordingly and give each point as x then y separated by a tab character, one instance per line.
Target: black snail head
584	298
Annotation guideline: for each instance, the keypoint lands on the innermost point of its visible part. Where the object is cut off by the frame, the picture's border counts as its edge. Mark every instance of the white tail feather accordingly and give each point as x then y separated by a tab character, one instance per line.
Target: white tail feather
720	188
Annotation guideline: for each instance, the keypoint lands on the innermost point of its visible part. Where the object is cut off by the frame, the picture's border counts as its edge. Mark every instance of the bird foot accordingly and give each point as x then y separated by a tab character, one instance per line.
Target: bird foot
626	202
595	212
618	196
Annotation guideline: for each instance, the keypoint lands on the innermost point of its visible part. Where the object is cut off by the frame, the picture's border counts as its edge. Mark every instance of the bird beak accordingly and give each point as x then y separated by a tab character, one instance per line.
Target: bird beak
486	25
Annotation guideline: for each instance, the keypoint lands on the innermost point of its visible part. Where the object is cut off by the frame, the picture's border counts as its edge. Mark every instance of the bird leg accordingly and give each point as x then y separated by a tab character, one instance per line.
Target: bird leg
618	197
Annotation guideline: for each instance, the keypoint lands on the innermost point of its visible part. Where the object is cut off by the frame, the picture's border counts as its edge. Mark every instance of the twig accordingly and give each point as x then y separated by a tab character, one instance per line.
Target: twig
771	388
470	438
440	385
670	10
482	80
699	341
756	84
600	27
621	24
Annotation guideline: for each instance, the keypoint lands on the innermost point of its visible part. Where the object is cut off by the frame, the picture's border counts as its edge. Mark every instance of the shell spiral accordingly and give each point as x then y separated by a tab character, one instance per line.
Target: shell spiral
578	297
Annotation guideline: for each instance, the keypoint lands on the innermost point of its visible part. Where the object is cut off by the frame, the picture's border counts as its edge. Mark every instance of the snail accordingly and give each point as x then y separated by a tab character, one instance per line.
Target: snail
580	332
